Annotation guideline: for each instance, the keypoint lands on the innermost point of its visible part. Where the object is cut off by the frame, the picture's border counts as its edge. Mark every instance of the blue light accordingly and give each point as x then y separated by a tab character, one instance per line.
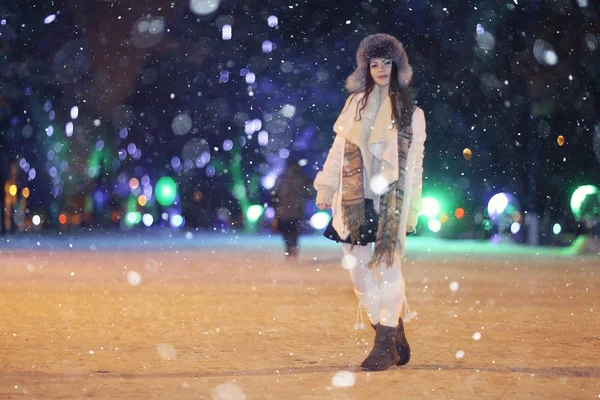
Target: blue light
176	220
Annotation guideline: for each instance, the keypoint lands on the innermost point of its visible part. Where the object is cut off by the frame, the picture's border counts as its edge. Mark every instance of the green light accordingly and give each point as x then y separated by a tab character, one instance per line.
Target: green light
239	191
434	225
556	229
487	224
133	218
431	207
166	191
578	197
254	212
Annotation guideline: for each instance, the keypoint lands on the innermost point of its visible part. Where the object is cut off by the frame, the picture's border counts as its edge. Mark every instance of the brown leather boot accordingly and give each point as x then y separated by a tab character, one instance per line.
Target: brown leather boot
384	354
402	346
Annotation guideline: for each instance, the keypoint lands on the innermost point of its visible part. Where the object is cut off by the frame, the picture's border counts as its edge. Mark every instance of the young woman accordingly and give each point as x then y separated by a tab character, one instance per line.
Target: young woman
372	181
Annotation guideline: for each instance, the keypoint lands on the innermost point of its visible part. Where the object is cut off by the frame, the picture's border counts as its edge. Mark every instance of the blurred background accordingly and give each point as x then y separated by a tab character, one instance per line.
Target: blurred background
181	114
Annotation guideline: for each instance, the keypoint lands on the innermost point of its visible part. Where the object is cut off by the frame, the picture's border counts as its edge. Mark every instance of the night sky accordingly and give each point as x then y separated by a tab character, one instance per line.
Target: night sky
218	101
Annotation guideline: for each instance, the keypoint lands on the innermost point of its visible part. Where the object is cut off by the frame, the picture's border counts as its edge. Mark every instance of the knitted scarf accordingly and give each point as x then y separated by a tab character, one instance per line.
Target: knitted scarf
353	193
390	206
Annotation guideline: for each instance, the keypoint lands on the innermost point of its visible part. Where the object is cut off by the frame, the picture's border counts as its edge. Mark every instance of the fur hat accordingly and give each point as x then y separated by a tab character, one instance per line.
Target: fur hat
380	45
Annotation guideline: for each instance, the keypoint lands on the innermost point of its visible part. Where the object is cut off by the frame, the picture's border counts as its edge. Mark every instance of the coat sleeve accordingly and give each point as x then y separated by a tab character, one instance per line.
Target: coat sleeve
418	126
327	181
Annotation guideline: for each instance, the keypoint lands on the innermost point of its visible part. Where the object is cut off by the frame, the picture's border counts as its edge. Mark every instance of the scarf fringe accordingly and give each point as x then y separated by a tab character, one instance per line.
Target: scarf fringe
383	257
354	218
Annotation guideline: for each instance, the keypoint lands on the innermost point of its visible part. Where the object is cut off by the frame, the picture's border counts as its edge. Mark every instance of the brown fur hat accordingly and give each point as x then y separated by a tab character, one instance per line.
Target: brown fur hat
380	45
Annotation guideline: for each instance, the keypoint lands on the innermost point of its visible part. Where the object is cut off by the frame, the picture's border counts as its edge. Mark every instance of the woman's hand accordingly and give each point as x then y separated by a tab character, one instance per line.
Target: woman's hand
323	206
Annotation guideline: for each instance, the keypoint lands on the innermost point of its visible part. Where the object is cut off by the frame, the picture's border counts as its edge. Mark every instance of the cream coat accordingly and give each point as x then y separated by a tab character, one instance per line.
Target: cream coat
328	182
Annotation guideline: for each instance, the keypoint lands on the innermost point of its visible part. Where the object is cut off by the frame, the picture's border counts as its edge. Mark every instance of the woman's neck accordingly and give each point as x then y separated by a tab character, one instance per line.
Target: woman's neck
384	91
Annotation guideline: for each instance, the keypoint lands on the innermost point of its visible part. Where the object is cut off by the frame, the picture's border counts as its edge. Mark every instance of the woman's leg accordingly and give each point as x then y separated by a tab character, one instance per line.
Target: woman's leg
393	295
284	229
293	237
365	286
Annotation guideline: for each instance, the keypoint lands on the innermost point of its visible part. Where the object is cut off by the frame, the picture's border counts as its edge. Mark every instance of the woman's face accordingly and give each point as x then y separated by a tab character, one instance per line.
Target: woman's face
381	70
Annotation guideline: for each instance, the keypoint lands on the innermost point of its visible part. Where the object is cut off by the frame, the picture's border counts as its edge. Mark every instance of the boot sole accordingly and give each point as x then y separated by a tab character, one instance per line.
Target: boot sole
382	368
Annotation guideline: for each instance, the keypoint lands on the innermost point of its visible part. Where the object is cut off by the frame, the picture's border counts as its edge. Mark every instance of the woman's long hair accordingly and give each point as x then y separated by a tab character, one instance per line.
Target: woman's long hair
402	99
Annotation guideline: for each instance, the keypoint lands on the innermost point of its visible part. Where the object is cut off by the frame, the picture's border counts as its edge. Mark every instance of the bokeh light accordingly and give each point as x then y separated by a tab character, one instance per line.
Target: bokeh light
204	7
487	224
254	212
579	196
320	220
166	191
503	210
270	213
459	213
133	218
181	124
515	227
557	229
148	219
443	218
434	225
430	207
176	220
497	204
268	181
134	183
467	154
49	19
517	216
148	31
267	46
226	32
263	138
272	21
544	53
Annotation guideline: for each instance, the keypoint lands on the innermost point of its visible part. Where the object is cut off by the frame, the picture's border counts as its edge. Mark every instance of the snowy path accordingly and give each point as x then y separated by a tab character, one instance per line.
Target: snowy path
217	317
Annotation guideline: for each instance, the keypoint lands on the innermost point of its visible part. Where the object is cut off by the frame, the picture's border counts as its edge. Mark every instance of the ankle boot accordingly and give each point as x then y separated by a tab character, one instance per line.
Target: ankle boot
384	354
402	346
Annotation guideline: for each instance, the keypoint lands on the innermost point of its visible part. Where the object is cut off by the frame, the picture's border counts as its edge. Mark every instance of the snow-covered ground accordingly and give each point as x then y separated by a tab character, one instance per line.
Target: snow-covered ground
224	317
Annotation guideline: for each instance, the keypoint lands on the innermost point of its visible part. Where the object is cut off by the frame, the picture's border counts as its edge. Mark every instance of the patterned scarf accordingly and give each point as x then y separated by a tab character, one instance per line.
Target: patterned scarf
390	206
353	193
